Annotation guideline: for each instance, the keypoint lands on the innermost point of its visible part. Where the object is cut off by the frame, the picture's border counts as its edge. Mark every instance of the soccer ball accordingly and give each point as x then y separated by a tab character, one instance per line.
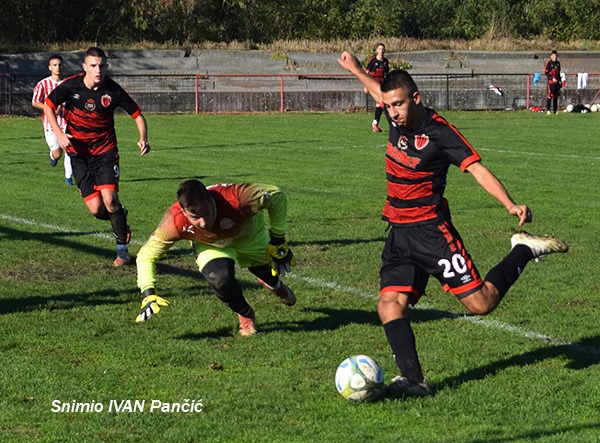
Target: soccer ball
569	108
359	378
595	108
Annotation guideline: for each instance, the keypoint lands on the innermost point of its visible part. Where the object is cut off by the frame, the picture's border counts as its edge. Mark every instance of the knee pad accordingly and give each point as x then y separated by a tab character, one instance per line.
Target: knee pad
220	275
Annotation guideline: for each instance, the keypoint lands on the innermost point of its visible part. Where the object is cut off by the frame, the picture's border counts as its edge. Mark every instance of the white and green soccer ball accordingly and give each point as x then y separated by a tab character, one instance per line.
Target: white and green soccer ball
359	378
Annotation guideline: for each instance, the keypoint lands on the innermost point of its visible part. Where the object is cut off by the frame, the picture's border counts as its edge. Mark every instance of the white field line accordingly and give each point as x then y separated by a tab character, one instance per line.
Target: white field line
487	323
24	221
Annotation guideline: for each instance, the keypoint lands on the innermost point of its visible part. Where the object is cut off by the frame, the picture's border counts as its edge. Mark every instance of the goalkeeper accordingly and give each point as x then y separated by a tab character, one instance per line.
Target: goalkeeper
226	225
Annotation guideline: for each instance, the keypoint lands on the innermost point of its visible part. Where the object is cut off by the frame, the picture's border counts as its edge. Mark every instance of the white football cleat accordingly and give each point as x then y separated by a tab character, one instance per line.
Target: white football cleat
403	387
540	245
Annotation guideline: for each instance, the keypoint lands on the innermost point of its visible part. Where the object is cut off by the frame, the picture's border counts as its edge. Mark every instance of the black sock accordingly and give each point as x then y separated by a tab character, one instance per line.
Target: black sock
506	273
401	338
264	273
103	214
118	220
378	111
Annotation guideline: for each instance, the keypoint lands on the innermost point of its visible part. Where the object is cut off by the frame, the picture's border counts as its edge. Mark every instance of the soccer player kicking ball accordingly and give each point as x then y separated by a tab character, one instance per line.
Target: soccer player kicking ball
226	225
90	100
422	240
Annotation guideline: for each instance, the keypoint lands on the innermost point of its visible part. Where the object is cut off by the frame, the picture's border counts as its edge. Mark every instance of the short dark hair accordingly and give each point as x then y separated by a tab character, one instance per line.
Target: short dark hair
55	57
399	79
193	196
95	51
554	52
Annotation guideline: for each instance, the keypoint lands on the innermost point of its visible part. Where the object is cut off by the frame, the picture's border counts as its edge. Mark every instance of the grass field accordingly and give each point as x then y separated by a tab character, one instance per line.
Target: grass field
527	372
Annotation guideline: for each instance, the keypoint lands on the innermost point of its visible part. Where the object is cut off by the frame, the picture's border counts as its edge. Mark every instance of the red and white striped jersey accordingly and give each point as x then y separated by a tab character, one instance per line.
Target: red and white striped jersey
42	90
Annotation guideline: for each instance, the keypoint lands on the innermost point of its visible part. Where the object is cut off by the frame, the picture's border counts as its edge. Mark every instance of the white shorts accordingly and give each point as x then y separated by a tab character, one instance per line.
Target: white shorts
52	140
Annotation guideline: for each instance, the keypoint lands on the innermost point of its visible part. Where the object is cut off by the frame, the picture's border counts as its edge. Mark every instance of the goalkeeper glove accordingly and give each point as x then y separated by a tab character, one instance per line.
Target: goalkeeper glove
279	255
150	305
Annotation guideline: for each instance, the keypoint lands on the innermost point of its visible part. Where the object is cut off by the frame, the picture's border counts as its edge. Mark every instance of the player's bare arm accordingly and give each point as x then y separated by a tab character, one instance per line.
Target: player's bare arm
38	105
493	186
351	64
143	144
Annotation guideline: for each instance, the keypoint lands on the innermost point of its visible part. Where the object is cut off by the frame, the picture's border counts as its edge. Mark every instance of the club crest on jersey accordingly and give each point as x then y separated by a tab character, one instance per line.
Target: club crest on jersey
90	104
421	141
105	100
403	142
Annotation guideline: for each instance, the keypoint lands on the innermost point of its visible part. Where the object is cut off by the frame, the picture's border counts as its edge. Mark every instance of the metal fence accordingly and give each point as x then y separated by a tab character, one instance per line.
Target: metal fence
5	95
321	92
228	93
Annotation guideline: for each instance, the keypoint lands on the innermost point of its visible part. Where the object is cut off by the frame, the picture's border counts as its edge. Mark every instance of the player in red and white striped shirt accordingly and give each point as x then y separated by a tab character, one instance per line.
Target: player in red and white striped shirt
42	90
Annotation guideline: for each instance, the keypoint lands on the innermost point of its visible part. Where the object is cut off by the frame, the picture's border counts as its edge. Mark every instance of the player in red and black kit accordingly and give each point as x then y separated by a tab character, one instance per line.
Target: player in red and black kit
422	241
552	71
378	67
90	100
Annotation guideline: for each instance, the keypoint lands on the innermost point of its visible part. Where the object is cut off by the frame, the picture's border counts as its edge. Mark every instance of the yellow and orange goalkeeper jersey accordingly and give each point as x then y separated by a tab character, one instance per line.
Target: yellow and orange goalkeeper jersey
236	205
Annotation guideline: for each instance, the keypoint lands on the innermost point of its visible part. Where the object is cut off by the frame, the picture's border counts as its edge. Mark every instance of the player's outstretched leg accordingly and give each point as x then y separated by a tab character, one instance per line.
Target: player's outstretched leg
219	273
540	245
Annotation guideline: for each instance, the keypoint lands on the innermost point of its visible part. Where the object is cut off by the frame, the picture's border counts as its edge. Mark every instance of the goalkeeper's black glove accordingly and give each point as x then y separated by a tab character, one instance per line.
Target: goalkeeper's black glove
150	305
279	255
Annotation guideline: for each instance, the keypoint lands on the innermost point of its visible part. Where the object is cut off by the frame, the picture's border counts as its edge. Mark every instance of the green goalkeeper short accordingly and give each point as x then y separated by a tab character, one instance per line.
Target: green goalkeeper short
247	252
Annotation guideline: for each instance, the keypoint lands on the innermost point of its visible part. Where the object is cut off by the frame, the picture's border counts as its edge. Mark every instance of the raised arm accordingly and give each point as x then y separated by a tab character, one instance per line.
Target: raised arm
351	64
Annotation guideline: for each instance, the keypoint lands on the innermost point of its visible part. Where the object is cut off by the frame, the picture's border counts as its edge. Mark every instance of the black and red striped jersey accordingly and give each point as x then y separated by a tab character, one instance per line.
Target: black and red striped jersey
378	69
90	113
552	70
417	163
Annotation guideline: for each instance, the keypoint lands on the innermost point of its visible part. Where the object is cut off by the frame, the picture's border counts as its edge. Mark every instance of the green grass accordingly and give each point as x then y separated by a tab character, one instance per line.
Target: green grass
527	372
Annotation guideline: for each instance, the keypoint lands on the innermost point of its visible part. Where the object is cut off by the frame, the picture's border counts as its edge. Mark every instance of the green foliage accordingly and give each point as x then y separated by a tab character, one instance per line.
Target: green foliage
264	21
527	372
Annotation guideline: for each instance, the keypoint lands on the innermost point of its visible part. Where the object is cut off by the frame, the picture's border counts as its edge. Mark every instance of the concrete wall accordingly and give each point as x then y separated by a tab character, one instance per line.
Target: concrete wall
164	81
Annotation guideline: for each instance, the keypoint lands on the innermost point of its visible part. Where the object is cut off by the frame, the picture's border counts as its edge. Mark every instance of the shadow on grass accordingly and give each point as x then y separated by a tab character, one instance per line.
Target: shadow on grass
61	239
162	179
581	354
331	320
65	301
536	435
346	241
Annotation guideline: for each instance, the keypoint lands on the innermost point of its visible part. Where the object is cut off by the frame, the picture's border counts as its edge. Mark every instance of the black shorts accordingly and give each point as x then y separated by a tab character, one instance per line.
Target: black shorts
411	254
554	89
96	172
